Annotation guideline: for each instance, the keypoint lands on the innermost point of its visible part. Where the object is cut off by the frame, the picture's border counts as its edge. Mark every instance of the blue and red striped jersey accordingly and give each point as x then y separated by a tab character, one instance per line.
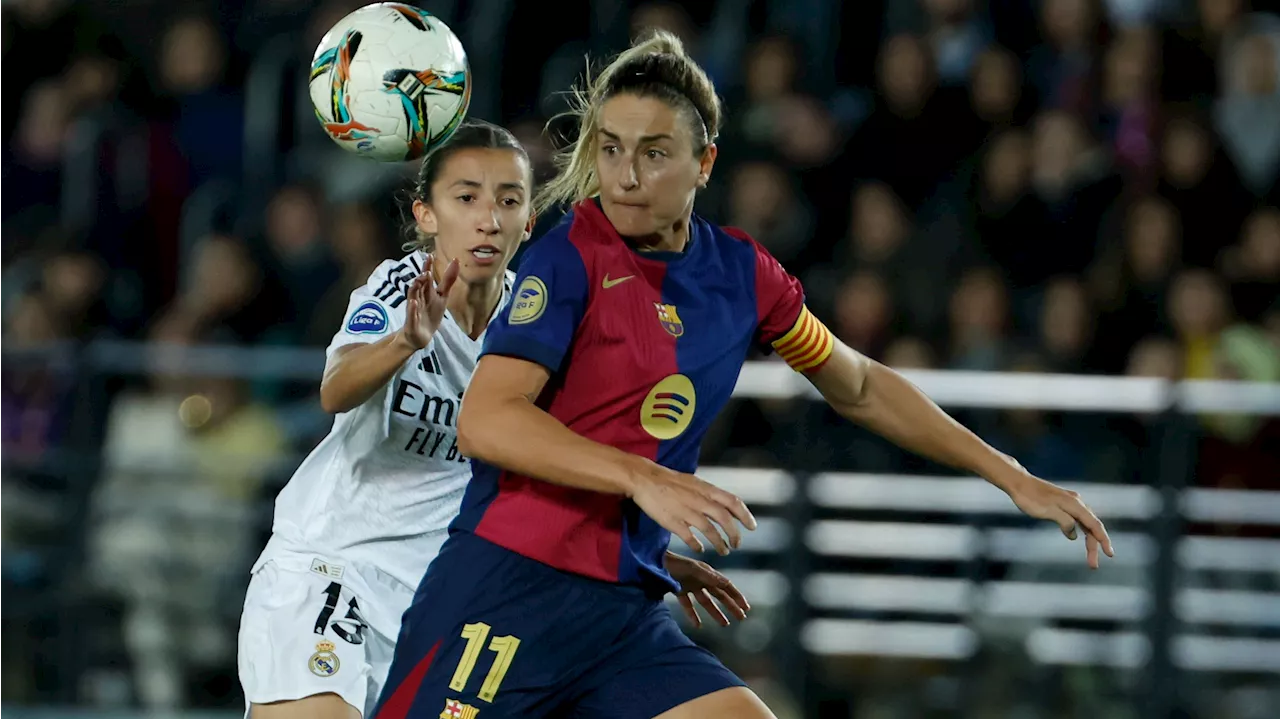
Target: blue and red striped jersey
644	350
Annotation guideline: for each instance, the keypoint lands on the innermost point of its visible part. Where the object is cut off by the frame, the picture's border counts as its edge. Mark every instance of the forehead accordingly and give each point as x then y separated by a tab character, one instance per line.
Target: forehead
631	117
485	165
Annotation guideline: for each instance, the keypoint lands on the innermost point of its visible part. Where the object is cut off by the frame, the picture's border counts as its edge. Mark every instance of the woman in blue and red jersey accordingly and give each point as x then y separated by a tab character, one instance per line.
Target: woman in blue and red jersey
629	325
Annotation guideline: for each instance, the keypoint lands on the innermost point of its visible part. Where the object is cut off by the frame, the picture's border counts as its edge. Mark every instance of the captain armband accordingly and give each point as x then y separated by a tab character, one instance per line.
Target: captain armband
808	345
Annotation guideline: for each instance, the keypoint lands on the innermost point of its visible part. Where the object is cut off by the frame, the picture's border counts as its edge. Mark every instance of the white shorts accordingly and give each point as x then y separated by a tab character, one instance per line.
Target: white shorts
311	626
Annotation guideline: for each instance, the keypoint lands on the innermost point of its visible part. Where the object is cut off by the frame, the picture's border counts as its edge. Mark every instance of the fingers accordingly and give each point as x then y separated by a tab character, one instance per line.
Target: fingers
417	294
716	512
682	503
1091	524
689	610
1070	514
1064	521
1091	550
704	598
446	281
738	508
687	536
703	523
721	516
736	603
731	502
729	592
411	312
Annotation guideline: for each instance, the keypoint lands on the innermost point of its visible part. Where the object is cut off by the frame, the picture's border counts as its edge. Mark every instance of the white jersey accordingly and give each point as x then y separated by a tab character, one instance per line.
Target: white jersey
382	487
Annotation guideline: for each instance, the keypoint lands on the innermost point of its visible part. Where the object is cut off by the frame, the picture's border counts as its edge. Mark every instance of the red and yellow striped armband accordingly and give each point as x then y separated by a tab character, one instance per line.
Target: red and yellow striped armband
807	345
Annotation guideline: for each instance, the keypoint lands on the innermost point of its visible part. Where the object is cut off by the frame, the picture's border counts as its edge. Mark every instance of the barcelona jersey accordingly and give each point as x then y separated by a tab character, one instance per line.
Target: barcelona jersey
644	350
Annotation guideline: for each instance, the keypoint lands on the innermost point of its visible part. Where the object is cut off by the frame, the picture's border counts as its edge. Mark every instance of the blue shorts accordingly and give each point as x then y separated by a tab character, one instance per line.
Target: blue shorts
494	632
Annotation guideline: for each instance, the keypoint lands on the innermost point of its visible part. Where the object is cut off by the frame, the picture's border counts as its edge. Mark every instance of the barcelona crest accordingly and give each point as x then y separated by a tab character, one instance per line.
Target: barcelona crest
669	319
454	709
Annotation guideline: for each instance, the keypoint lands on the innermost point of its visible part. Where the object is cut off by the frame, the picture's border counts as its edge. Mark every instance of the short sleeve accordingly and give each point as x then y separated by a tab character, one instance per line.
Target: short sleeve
377	308
546	306
779	297
786	325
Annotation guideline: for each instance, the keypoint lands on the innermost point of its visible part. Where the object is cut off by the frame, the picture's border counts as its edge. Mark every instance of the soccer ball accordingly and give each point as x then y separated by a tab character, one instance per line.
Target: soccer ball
390	82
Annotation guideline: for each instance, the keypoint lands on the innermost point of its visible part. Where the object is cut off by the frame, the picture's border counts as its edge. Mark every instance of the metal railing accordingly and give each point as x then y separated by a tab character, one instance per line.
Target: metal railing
841	559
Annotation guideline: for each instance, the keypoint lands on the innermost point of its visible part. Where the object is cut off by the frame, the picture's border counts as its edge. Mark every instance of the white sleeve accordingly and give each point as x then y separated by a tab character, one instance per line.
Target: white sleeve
377	308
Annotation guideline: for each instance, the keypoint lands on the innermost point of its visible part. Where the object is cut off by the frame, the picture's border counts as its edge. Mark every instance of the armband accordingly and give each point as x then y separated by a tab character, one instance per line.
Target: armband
808	345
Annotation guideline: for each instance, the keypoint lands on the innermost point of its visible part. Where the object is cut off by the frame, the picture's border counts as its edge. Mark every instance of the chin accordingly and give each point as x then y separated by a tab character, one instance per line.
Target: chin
630	222
473	274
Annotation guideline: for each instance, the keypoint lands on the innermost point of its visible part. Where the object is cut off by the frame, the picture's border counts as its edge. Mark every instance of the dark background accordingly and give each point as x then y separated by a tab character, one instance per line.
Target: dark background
1062	186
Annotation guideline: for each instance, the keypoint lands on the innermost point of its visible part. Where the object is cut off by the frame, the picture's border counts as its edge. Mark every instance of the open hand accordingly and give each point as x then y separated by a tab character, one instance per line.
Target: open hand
1044	500
700	581
426	304
681	502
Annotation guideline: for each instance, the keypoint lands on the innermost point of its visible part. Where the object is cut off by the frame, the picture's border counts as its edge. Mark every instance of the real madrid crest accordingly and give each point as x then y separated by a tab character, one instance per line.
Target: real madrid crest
324	663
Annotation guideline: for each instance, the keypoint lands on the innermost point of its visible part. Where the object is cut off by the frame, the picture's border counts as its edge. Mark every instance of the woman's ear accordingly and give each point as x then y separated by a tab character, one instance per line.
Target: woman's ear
425	218
705	163
528	227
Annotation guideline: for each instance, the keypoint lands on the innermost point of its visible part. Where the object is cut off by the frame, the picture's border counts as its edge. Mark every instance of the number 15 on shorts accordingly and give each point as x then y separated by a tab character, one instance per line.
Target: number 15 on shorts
504	647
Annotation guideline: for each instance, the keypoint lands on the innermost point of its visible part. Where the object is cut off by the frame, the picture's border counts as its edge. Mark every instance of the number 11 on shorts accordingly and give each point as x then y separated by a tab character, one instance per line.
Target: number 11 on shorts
504	647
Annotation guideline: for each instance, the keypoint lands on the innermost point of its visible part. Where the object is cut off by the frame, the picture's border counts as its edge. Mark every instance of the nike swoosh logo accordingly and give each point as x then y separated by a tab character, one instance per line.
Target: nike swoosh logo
610	283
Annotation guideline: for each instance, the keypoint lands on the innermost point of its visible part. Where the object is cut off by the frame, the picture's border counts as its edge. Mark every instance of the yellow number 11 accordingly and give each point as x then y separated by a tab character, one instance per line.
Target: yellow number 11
505	647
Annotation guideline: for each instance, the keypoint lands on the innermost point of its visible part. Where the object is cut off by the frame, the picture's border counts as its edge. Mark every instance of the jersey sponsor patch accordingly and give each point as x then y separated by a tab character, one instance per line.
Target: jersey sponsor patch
529	302
668	409
368	319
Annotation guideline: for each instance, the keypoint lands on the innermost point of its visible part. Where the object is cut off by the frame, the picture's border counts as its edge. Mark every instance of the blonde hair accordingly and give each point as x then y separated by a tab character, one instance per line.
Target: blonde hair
655	66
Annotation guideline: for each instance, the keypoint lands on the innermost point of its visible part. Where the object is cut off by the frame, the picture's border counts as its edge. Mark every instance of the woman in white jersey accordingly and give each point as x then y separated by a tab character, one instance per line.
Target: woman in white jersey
368	509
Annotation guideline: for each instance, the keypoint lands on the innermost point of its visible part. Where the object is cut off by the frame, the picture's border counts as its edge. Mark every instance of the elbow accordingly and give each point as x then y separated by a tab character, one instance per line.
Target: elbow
861	398
331	400
846	380
471	435
485	426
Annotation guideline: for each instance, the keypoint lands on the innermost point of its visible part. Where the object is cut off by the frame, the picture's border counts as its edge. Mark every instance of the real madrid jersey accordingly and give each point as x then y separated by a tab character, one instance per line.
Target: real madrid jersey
382	487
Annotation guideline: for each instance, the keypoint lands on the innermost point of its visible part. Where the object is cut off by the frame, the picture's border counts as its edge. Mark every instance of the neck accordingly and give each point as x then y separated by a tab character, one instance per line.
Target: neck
472	304
669	238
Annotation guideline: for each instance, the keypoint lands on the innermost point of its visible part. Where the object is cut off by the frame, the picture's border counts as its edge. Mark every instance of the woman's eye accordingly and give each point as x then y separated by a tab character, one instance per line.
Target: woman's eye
466	198
655	154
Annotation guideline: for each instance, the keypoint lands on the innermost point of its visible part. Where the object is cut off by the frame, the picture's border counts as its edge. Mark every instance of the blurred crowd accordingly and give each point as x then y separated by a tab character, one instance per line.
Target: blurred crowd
1078	186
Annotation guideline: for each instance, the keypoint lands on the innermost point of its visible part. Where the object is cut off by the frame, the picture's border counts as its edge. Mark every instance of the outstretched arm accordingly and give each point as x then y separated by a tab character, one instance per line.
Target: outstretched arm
878	398
355	372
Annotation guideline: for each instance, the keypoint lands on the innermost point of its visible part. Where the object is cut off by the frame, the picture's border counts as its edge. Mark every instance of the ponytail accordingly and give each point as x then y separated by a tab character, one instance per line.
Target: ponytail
656	66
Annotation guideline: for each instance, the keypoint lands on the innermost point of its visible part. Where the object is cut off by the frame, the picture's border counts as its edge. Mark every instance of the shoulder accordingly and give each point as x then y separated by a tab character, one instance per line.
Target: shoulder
750	250
555	254
379	304
389	281
556	243
739	240
736	248
772	283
